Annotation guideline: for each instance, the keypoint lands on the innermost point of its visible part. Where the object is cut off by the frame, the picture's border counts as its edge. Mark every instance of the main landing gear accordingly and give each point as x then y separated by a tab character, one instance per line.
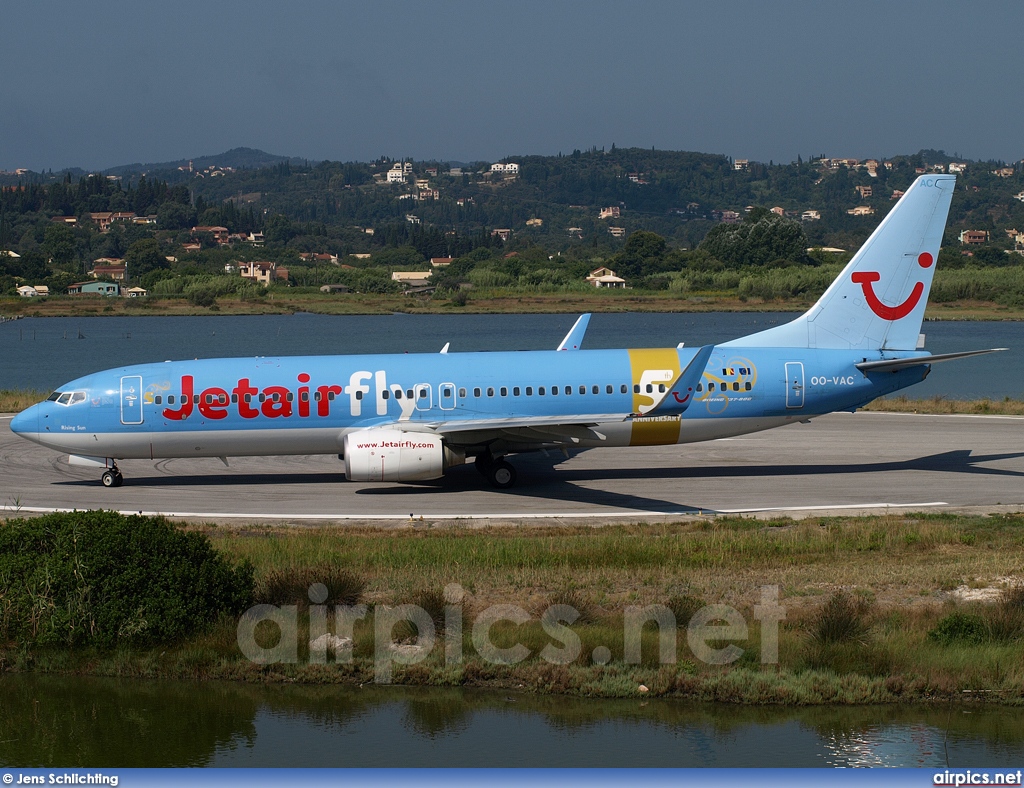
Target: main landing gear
498	472
112	477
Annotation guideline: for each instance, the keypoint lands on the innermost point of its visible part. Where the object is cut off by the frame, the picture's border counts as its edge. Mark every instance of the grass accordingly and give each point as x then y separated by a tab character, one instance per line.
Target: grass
14	400
944	405
861	597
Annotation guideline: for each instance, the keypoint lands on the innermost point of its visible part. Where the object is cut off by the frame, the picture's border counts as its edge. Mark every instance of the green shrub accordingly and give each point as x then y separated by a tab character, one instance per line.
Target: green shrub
960	628
100	578
684	607
841	619
292	586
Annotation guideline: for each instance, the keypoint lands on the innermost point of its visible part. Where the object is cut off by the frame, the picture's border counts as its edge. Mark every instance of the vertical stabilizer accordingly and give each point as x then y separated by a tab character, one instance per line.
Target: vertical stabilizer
878	301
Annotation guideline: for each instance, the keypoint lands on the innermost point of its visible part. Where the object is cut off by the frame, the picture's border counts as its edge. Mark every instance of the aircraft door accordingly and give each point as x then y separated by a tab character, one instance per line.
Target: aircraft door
131	399
446	396
424	400
794	384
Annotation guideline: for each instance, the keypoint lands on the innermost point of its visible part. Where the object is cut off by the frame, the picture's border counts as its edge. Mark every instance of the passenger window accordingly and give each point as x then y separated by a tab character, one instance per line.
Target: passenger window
408	394
700	387
661	388
623	389
330	396
747	386
595	390
529	391
540	391
385	394
423	393
447	392
515	391
568	390
209	398
398	393
608	389
711	386
735	386
462	393
554	391
650	388
195	398
476	392
504	391
304	396
636	388
158	399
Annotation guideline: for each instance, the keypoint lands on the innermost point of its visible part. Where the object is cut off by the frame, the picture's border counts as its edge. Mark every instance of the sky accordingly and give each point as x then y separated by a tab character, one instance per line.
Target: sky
97	84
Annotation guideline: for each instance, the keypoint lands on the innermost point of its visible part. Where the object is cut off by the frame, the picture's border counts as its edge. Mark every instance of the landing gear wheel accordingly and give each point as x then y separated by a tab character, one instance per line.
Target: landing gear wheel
112	478
501	475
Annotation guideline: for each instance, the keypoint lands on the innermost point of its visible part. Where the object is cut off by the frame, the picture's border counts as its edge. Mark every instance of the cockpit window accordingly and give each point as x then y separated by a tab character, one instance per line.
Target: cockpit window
53	397
68	397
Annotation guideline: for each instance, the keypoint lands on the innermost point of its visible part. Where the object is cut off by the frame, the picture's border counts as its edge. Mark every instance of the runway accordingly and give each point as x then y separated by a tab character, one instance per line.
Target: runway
841	463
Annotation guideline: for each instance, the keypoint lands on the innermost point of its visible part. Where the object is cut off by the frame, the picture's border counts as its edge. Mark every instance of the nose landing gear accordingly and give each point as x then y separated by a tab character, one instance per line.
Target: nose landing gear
112	477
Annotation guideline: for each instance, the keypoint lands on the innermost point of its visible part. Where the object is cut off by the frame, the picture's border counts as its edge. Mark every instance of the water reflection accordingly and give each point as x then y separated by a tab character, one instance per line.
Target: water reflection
64	721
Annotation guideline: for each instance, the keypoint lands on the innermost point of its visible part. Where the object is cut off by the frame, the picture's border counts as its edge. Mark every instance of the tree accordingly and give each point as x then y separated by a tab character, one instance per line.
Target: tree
278	229
762	239
641	254
144	256
174	216
59	246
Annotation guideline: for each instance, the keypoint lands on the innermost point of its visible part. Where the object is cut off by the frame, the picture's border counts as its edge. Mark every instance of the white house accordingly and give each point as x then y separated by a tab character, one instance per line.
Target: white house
605	277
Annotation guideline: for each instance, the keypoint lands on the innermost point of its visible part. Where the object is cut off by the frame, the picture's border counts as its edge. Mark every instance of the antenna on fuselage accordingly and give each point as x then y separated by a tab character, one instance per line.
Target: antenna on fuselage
446	346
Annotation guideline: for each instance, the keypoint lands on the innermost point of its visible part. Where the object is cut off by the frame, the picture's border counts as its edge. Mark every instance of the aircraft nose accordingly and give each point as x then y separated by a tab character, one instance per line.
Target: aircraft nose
26	422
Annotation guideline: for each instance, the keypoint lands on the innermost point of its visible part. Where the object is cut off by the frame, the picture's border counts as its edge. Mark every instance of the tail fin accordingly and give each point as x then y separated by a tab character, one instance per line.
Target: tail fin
878	301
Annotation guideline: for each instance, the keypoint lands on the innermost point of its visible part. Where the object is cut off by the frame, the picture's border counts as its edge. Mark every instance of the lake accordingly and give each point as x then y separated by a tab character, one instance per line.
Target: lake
43	353
94	722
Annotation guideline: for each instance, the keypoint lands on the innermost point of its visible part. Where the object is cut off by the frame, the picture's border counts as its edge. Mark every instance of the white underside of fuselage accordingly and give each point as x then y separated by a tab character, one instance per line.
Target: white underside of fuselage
143	444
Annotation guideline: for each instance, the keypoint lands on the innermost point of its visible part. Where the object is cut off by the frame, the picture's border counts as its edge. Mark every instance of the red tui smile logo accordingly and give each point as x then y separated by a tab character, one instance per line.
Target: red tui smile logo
866	279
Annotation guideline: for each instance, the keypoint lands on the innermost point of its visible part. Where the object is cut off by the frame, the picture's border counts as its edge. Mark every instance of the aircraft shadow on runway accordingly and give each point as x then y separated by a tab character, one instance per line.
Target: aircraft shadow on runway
539	478
560	485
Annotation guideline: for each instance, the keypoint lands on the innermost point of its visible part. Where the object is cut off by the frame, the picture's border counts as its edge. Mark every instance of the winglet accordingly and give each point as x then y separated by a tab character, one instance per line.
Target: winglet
680	394
574	338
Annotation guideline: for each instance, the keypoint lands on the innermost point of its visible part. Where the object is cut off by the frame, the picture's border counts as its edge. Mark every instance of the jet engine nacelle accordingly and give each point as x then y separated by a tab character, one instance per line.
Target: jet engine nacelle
396	456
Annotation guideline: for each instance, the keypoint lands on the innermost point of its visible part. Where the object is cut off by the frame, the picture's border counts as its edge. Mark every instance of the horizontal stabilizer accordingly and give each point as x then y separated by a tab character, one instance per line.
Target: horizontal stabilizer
574	339
680	394
892	364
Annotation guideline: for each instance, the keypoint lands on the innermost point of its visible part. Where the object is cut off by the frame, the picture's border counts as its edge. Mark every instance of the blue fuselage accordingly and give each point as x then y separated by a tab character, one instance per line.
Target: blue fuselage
307	404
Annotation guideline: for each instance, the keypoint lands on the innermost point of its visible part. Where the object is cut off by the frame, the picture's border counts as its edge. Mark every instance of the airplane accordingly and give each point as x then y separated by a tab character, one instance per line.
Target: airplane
411	417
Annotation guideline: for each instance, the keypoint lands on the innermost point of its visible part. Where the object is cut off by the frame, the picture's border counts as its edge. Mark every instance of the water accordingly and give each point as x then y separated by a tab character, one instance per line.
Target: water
42	353
94	722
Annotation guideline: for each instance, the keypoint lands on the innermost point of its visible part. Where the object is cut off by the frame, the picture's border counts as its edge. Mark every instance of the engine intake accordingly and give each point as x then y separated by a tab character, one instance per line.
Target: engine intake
397	456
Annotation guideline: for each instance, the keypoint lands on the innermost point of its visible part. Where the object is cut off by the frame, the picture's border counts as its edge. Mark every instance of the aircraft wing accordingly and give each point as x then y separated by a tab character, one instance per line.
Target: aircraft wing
533	432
